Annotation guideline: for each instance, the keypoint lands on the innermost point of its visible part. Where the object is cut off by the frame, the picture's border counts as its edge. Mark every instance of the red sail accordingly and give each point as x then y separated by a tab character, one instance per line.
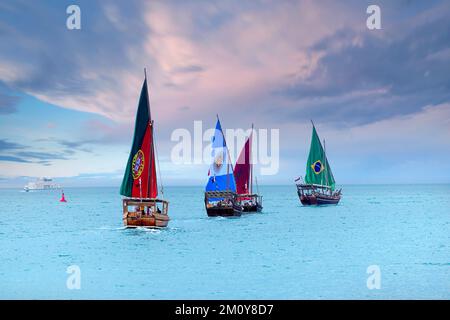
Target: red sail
153	185
145	183
242	169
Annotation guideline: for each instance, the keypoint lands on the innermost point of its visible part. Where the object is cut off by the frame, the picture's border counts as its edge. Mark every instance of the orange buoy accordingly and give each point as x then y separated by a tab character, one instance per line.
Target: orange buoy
63	199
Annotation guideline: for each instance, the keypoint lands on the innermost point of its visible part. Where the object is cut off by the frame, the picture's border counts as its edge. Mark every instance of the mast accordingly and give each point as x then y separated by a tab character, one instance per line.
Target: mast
325	169
228	154
313	127
151	148
159	167
257	187
221	131
321	180
148	99
251	162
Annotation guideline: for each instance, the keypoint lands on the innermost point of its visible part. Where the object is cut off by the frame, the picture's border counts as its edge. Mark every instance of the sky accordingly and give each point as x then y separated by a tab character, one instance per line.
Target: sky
380	98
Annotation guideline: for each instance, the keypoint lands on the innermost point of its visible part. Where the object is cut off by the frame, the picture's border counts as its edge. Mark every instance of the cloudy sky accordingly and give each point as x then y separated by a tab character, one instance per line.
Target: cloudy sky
380	98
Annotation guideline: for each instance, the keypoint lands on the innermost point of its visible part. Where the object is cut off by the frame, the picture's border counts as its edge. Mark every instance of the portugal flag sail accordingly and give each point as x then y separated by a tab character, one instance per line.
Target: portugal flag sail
139	180
318	170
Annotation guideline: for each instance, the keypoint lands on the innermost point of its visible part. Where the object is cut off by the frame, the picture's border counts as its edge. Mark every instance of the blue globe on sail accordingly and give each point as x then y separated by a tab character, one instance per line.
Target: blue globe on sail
317	167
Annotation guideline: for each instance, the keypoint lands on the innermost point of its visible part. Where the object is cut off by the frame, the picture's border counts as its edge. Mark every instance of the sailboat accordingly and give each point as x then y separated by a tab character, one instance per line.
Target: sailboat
220	191
243	173
318	188
141	206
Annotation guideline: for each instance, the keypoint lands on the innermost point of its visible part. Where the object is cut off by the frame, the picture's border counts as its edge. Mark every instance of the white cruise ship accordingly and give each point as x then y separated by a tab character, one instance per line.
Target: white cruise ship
41	184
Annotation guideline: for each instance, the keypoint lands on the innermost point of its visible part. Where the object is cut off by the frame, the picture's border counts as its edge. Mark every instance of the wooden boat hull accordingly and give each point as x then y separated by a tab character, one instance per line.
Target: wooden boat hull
145	218
319	200
223	212
152	221
250	202
252	208
224	204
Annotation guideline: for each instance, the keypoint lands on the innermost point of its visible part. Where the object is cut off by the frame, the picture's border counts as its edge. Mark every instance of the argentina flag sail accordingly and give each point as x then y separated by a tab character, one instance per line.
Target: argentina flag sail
220	173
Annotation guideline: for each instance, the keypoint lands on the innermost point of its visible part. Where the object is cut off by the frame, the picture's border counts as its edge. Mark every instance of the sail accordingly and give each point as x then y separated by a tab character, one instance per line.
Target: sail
318	170
139	180
242	169
220	173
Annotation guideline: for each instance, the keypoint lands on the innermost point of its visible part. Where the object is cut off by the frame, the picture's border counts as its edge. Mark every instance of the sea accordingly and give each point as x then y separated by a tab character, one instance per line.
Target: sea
379	242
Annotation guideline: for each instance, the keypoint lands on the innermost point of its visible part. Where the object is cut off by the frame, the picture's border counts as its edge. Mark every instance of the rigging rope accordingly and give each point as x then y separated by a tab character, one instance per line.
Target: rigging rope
157	160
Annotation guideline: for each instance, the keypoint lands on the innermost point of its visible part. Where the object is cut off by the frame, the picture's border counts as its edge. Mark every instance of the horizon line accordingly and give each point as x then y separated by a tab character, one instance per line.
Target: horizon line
263	185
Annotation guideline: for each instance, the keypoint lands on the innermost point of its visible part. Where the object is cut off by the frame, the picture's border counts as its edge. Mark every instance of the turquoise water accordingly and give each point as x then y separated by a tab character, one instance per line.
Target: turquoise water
286	252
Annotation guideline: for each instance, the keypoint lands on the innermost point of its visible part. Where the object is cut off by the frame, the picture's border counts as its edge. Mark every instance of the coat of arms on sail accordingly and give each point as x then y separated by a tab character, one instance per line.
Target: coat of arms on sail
218	161
138	164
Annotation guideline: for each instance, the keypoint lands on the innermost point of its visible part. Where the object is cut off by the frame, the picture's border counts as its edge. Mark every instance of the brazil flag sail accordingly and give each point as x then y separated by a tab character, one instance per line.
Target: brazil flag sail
318	170
139	180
